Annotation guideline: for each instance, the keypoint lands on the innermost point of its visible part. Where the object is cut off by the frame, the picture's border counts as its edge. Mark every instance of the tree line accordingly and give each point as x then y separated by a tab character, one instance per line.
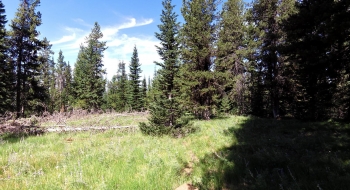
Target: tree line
269	58
32	82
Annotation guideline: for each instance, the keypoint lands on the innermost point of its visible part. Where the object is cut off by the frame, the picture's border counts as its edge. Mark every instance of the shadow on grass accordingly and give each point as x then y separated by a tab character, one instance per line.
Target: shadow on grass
13	134
286	154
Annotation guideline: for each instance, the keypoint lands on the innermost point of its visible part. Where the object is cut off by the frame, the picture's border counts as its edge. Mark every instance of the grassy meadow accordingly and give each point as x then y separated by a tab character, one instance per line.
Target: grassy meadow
224	153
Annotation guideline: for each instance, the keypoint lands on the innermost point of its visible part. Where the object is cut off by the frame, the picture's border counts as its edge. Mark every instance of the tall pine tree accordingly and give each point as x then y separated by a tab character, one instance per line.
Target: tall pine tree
6	69
68	90
61	82
164	109
89	84
198	35
122	87
135	94
24	48
266	16
47	76
230	66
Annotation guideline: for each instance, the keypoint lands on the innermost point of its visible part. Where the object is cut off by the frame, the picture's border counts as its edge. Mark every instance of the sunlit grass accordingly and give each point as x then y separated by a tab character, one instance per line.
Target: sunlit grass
108	160
224	153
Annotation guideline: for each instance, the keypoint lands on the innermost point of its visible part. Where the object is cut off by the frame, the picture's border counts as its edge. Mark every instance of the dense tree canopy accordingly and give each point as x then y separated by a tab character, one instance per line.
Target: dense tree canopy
198	35
256	58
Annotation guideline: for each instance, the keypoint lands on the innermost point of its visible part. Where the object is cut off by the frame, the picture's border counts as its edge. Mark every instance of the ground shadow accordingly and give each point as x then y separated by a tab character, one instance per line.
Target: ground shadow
280	154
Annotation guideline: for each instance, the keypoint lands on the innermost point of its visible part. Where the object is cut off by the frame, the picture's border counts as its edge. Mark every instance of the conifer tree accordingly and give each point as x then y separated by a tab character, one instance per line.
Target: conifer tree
266	16
24	48
318	47
6	69
122	89
198	35
47	76
164	107
229	64
134	95
61	82
89	84
112	96
144	93
68	94
149	84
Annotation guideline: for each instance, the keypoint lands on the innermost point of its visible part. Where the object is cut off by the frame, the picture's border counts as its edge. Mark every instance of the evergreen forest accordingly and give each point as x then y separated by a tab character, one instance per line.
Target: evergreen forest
267	58
246	95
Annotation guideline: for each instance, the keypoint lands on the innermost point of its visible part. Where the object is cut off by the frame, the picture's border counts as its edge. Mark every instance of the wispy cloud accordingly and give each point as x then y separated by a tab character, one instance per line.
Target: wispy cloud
65	39
82	22
120	45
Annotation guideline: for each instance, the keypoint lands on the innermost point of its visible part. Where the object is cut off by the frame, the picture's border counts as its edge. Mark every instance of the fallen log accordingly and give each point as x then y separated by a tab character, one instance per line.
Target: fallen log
61	128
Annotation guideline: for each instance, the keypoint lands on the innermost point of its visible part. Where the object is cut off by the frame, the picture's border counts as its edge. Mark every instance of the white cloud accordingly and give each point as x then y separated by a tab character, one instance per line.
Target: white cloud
65	39
110	31
82	22
120	45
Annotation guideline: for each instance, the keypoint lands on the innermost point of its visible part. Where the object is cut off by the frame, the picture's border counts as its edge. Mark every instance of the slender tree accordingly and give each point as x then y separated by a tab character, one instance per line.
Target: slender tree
47	76
198	36
267	16
230	66
89	84
164	108
122	87
144	93
134	95
6	69
24	48
68	90
61	81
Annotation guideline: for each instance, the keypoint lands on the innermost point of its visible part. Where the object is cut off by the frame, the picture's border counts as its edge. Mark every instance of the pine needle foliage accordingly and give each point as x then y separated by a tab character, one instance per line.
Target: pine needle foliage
198	36
164	109
135	99
6	70
89	84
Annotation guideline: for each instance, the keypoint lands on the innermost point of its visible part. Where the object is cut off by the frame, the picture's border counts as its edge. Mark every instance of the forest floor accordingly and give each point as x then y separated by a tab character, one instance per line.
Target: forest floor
232	152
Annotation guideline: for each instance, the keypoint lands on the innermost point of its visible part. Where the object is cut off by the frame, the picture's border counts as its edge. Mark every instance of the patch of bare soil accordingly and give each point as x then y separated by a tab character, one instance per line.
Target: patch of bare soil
186	186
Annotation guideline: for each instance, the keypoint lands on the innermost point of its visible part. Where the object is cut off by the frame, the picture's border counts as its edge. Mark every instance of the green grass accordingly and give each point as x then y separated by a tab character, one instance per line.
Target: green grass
286	154
227	153
108	160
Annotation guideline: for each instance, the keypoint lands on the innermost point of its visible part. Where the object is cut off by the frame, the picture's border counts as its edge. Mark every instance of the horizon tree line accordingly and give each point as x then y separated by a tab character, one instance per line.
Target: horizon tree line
256	59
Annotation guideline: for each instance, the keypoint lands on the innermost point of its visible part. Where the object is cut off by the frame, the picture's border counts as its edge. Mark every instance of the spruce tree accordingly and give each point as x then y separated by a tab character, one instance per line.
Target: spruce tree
61	82
164	108
89	84
112	96
122	89
230	65
318	51
198	35
134	95
144	94
68	94
267	16
24	48
6	68
47	76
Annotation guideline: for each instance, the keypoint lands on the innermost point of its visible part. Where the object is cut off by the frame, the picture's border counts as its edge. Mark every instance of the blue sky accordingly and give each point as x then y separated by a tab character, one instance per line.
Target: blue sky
124	24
